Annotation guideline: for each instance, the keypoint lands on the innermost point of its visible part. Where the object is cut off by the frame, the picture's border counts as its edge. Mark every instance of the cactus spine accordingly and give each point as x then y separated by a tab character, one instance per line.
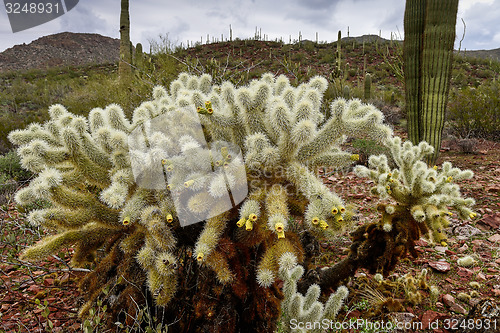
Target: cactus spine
428	54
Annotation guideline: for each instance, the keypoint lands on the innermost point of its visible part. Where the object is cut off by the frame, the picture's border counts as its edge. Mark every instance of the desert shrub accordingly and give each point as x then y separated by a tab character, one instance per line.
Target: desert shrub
475	112
10	167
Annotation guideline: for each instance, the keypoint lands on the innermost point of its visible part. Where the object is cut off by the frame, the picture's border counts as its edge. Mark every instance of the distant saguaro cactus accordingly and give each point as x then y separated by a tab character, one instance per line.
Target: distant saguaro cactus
428	54
124	69
368	87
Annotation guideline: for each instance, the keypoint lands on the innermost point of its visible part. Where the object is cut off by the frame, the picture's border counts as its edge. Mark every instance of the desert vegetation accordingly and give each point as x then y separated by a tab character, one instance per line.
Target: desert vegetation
326	235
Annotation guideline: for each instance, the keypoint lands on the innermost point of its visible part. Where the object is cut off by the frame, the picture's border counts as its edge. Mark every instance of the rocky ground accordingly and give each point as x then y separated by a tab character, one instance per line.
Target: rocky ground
35	297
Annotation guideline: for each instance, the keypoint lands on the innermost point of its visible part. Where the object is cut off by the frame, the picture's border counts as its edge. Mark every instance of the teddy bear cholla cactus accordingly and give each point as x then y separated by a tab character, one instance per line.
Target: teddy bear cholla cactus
101	198
305	310
425	193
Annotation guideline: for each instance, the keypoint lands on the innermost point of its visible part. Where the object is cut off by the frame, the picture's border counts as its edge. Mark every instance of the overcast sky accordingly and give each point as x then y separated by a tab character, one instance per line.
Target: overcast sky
194	19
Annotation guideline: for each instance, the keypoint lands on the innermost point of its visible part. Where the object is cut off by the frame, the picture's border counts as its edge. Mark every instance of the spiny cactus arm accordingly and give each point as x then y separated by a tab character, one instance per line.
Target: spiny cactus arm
268	267
217	261
337	160
60	218
160	234
210	236
93	172
306	308
51	244
277	210
335	301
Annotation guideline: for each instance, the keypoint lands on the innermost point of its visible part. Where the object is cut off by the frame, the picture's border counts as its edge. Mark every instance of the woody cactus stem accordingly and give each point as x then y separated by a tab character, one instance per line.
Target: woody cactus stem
428	53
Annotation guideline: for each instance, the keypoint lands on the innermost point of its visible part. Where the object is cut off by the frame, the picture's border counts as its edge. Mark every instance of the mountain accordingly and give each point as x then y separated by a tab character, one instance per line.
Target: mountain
483	54
62	49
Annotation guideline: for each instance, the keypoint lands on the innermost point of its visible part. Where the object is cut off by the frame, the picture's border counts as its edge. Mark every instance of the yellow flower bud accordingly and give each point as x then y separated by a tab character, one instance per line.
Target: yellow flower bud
208	104
334	210
248	225
224	152
126	220
252	217
443	243
315	220
279	227
241	222
188	183
210	111
435	167
449	179
199	256
472	215
342	209
164	161
281	234
355	157
323	224
170	167
170	218
169	187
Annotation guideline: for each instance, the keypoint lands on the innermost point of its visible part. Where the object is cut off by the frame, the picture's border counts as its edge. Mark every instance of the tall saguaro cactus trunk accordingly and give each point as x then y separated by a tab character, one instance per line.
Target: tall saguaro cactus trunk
124	69
428	54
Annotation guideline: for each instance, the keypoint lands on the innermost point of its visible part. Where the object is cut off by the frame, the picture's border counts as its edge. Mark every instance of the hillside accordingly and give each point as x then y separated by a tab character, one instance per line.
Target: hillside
63	49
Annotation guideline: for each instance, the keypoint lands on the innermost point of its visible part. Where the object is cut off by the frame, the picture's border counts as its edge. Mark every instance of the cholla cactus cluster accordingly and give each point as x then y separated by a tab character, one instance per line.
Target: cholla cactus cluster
425	193
305	308
104	176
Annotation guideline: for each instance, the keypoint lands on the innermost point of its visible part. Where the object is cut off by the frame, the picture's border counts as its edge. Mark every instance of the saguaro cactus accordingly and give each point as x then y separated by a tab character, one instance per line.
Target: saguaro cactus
428	53
125	49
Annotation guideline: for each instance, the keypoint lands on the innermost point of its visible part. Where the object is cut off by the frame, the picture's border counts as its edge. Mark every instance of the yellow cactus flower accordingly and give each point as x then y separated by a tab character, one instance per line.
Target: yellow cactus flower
248	225
252	217
449	179
355	157
315	220
472	215
334	210
241	222
188	183
170	167
342	209
323	224
126	220
199	256
170	218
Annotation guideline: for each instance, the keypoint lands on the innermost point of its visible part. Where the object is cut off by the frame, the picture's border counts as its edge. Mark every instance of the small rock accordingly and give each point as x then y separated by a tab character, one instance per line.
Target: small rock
465	231
457	308
441	249
440	266
463	248
496	292
402	317
478	242
480	276
421	242
428	317
495	238
448	300
464	272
